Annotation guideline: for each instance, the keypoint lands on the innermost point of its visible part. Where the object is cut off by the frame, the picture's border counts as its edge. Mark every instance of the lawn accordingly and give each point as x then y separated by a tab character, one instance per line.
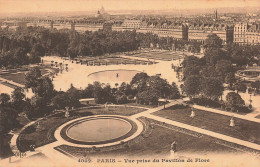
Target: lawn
15	77
18	76
113	61
111	110
243	129
157	144
166	55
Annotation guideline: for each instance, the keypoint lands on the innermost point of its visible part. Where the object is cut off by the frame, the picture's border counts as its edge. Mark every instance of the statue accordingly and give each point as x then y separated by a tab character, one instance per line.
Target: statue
174	146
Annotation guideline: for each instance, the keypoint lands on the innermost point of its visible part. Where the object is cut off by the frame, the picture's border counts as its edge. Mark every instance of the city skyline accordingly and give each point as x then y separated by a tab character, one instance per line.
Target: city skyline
34	6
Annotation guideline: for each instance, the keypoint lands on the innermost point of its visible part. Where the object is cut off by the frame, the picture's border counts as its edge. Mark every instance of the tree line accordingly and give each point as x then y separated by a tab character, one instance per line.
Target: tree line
27	46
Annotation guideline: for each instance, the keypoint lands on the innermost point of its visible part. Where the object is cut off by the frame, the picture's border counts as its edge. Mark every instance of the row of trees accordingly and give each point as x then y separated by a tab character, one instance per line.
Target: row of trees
146	89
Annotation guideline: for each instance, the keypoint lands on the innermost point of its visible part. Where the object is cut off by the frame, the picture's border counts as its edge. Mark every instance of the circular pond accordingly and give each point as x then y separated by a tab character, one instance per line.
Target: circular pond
113	76
98	130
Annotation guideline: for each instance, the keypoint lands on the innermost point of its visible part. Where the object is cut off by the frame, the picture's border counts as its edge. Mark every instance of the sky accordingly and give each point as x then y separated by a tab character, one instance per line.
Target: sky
28	6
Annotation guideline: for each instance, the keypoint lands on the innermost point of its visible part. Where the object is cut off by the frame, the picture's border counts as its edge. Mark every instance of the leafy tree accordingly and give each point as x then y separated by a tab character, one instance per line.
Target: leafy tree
234	100
103	94
192	86
126	89
4	98
191	70
240	86
212	88
159	84
213	55
44	88
192	61
18	95
223	67
7	119
213	41
60	101
230	79
174	91
149	96
32	78
138	82
88	92
209	71
18	99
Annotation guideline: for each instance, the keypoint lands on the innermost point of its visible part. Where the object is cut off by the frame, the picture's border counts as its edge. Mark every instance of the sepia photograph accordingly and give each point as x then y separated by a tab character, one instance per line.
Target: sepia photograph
130	83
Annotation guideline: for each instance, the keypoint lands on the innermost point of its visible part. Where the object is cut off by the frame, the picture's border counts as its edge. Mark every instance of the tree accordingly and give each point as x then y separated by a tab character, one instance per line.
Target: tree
4	98
60	101
213	41
174	91
88	92
39	106
230	79
126	89
73	96
159	84
18	95
192	61
138	82
149	96
234	100
212	88
32	78
18	99
192	86
191	70
103	95
223	67
240	86
7	119
44	88
209	71
38	50
213	55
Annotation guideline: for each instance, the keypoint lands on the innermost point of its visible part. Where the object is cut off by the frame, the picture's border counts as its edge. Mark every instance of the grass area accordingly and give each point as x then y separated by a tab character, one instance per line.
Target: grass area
157	144
112	61
164	55
16	77
19	76
39	136
243	129
111	110
140	105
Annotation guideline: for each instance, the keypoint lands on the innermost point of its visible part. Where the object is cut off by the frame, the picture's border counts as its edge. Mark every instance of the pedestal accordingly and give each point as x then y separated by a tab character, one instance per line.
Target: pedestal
232	122
192	114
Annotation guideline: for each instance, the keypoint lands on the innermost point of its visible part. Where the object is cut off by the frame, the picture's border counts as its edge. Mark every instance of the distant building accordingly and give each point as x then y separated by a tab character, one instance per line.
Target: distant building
247	34
131	24
107	26
240	33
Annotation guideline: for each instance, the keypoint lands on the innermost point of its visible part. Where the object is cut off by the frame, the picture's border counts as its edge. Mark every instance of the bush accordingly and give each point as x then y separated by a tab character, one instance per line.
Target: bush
244	109
121	99
206	102
130	97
